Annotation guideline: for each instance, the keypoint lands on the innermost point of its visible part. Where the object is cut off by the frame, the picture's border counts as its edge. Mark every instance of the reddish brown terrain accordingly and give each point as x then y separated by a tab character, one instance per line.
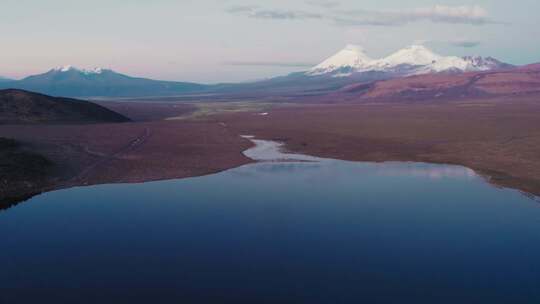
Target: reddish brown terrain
443	87
132	152
148	110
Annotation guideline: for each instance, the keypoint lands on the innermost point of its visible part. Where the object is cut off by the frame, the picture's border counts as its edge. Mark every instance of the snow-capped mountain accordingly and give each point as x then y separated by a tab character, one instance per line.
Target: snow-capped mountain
70	81
67	68
351	58
412	55
412	60
486	63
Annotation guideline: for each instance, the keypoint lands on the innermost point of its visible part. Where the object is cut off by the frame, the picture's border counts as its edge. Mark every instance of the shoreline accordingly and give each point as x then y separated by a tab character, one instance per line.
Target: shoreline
273	151
278	153
266	151
502	146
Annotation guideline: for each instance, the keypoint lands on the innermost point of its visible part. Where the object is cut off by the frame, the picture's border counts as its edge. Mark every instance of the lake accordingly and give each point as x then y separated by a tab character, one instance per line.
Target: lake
278	232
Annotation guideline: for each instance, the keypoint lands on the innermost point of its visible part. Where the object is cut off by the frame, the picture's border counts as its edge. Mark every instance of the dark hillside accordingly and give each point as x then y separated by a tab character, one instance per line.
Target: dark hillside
23	107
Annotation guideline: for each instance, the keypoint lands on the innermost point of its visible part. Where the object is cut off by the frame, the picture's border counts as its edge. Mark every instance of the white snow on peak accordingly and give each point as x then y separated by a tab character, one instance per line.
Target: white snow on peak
412	55
95	70
449	63
417	59
67	68
64	68
352	56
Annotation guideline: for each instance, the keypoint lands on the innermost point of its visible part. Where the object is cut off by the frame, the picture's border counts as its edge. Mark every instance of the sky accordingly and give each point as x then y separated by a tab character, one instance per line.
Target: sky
211	41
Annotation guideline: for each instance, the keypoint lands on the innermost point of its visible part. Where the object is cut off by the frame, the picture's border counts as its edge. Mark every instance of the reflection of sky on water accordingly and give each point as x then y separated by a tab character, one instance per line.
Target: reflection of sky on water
266	150
432	171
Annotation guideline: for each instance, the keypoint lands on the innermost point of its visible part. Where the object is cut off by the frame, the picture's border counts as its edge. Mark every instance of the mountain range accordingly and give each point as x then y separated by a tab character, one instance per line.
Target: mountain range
70	81
412	60
349	66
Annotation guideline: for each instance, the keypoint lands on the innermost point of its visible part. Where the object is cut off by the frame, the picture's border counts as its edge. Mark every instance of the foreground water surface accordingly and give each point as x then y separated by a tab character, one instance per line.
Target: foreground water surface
281	232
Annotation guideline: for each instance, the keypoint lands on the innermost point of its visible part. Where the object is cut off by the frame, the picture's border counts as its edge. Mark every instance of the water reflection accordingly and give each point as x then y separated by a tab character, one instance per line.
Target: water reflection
267	150
431	171
293	232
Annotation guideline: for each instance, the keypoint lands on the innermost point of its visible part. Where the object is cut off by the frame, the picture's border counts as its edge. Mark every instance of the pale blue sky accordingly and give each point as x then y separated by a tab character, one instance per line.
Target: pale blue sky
235	40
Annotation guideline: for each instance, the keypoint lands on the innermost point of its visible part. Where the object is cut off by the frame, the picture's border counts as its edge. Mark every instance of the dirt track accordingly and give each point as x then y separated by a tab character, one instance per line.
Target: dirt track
82	177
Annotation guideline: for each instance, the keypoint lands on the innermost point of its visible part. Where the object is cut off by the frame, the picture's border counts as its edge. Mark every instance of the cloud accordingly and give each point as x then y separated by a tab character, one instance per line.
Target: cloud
241	9
323	3
421	42
270	64
279	14
465	14
453	14
473	15
465	43
273	14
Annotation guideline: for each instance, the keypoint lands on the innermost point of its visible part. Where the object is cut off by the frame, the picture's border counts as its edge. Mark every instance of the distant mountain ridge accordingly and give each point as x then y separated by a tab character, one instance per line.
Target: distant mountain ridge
412	60
70	81
352	65
348	66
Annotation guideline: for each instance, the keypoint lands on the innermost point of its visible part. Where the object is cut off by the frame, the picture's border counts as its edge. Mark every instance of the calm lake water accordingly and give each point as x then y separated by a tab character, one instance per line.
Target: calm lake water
329	232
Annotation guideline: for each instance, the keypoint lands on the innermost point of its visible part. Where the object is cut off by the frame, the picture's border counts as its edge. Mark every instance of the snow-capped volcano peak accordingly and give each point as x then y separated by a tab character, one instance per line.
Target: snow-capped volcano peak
485	63
67	68
352	57
64	68
355	49
425	60
412	55
414	59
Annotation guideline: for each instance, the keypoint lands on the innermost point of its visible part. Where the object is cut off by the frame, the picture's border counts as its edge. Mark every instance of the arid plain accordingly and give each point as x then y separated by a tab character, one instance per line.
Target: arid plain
497	137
